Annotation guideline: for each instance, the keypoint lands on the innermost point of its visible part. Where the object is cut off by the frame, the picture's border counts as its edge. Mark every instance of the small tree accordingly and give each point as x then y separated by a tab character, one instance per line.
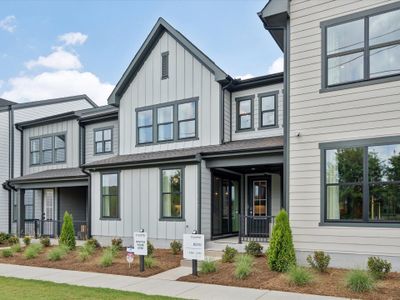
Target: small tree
67	237
281	255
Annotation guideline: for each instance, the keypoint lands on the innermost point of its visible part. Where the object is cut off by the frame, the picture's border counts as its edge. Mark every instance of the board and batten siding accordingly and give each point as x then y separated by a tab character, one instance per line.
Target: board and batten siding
187	78
140	207
90	155
348	114
4	168
71	130
256	132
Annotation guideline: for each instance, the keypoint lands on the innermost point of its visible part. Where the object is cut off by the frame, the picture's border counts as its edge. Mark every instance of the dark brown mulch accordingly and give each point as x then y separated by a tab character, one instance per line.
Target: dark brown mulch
329	284
165	260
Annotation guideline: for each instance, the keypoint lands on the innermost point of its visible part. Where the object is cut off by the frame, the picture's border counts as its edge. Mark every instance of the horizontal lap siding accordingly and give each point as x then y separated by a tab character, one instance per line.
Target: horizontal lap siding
187	78
363	112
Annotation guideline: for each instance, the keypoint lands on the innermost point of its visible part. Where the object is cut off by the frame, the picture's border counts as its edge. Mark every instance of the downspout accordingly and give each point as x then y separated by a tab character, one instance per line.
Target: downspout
222	109
11	159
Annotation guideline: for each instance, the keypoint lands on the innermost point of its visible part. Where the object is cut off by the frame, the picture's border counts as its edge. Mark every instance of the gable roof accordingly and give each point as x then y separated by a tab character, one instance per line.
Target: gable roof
159	28
4	102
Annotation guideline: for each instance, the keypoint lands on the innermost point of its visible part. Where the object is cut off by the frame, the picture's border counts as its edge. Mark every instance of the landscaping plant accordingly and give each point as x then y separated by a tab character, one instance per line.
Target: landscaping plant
378	267
243	266
92	242
7	253
150	249
107	258
13	240
32	251
359	281
57	253
229	254
299	276
16	248
45	241
319	261
149	262
117	243
176	247
254	248
86	251
208	266
281	255
27	240
67	236
4	237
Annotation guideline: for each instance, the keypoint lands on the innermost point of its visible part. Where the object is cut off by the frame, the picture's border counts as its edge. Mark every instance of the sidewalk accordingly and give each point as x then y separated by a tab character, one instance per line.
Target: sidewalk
157	285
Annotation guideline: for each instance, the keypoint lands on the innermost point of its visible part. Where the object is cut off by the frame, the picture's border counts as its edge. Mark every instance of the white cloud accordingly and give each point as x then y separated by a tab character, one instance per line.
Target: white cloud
57	84
58	60
277	66
245	76
73	38
9	24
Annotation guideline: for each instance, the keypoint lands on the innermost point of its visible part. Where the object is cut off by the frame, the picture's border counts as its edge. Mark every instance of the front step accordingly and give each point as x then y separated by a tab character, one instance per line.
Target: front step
220	245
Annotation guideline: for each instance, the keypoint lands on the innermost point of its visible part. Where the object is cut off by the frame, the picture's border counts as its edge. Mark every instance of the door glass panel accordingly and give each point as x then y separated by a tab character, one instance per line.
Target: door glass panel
48	203
216	205
235	205
260	198
225	206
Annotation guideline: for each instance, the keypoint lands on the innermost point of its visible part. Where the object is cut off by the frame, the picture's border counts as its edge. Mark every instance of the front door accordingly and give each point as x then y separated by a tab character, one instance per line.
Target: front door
259	205
225	204
48	222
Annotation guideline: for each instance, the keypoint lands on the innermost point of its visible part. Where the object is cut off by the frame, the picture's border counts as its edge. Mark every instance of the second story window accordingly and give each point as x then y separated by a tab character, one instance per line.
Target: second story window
268	110
47	150
35	151
187	120
365	48
59	148
165	123
145	126
103	140
244	113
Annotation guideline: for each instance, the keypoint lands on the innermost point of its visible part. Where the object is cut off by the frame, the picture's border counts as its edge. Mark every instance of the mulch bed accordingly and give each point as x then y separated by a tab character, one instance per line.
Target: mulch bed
329	284
165	260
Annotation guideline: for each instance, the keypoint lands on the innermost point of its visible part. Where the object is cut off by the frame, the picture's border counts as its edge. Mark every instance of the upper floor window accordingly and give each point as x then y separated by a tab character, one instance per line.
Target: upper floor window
169	122
171	193
365	48
47	149
362	183
164	65
244	113
109	195
268	110
103	140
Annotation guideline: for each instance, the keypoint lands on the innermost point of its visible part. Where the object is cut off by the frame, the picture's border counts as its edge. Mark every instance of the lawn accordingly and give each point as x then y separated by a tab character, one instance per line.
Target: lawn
13	288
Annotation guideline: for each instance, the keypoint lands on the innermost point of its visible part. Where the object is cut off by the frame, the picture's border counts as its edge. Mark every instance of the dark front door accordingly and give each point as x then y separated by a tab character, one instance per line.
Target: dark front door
259	205
225	204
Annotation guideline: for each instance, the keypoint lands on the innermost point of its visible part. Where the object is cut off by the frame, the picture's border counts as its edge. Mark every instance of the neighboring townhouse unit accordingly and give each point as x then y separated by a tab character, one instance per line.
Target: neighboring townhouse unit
343	136
10	154
198	150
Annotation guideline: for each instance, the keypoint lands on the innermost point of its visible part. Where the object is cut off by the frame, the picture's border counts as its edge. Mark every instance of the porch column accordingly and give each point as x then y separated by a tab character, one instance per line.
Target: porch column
19	194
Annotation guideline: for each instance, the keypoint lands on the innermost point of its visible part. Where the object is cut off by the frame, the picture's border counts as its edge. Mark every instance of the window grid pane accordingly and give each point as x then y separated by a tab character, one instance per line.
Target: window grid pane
110	196
171	193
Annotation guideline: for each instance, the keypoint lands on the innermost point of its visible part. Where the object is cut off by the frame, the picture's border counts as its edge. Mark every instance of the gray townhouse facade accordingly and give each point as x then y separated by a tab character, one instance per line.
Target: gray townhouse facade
183	146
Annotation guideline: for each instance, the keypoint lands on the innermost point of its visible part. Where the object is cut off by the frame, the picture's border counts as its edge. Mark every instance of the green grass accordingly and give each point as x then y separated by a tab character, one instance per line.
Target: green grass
12	288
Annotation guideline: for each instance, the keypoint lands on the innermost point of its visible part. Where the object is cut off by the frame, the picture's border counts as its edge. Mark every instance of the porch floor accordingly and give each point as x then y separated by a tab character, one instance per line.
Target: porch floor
220	244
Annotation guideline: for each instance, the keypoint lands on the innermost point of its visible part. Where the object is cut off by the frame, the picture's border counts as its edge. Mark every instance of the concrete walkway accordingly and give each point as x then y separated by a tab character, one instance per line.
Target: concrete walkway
161	284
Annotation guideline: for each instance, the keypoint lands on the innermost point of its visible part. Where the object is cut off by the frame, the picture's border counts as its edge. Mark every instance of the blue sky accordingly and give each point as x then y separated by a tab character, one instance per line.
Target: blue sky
59	48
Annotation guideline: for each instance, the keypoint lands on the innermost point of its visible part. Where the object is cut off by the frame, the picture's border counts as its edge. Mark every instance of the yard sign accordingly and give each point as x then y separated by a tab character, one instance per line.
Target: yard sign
193	246
140	243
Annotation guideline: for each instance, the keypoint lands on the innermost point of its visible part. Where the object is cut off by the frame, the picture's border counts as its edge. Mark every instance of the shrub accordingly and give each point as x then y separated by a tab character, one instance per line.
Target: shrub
7	253
67	236
254	248
32	251
299	276
359	281
13	240
116	243
107	258
93	243
27	240
86	251
149	262
176	247
281	255
379	268
4	237
229	254
16	248
57	253
243	265
45	241
150	249
319	261
208	266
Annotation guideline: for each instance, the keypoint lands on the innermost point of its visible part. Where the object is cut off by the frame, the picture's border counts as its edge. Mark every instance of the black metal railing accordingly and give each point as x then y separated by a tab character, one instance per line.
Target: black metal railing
255	228
52	228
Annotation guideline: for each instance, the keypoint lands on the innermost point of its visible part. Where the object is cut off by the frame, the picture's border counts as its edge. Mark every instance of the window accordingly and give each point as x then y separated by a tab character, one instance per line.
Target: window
367	47
169	122
171	193
164	65
59	148
35	151
268	110
103	140
145	126
362	183
29	200
244	113
187	120
165	123
109	196
47	150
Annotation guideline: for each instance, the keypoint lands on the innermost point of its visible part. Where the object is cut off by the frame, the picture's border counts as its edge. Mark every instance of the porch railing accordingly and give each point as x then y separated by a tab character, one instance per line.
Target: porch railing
52	228
255	228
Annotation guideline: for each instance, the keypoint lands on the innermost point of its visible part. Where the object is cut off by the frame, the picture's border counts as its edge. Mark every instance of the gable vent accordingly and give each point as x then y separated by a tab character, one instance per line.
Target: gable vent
164	65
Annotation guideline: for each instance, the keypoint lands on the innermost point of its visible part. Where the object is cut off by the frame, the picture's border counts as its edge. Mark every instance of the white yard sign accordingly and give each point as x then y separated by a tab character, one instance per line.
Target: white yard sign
193	246
140	243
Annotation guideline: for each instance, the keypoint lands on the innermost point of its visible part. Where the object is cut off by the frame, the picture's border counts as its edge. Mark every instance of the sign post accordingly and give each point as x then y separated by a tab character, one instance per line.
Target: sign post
130	255
193	248
140	246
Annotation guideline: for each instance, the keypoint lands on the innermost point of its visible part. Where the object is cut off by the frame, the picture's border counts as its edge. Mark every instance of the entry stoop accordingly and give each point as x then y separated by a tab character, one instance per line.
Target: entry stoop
220	244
